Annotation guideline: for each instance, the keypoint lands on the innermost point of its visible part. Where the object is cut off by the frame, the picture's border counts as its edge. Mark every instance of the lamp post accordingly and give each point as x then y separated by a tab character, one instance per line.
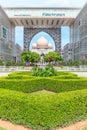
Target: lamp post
42	55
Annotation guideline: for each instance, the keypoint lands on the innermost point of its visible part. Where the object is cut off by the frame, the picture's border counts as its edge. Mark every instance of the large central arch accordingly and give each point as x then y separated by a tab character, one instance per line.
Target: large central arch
55	33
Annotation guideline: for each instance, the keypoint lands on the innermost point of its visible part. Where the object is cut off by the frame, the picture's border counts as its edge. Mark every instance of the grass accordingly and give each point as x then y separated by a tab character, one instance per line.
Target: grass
2	128
84	129
44	107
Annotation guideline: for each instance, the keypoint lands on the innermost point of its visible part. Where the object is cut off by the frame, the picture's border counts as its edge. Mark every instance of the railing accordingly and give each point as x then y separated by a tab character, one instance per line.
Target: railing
28	68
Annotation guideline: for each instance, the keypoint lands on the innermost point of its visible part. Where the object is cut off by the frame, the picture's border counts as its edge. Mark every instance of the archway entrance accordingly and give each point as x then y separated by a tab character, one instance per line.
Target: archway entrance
42	43
55	33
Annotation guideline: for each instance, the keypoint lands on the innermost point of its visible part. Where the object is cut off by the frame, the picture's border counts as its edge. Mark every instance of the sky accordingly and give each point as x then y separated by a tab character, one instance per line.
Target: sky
42	3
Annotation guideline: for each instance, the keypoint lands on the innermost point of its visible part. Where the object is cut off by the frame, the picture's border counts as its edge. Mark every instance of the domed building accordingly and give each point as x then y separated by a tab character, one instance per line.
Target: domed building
42	46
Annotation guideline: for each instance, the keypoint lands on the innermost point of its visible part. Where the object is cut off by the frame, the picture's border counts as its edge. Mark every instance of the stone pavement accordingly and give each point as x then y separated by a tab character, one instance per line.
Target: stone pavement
4	74
81	74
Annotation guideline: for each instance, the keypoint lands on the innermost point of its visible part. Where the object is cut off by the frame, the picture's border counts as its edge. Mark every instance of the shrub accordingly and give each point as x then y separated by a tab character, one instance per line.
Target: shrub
84	129
40	83
67	77
2	128
19	77
42	72
43	111
47	71
8	63
1	63
66	73
28	73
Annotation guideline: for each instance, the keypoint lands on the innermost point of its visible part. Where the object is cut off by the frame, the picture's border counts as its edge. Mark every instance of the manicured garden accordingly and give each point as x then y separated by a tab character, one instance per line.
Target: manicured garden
84	129
24	101
2	128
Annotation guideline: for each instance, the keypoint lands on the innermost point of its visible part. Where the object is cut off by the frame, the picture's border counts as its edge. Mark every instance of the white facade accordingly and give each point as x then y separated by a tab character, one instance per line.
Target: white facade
42	17
42	46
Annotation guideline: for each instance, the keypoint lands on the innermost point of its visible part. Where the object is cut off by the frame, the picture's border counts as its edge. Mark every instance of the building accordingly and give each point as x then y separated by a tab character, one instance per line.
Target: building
7	37
67	52
36	20
18	51
49	20
42	46
79	35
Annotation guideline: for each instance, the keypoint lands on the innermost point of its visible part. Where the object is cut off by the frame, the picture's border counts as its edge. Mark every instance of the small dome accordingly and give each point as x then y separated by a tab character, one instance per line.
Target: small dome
34	46
42	42
50	46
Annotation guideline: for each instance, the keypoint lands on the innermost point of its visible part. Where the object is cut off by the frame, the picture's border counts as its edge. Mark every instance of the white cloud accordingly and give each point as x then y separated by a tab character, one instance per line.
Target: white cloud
43	3
56	3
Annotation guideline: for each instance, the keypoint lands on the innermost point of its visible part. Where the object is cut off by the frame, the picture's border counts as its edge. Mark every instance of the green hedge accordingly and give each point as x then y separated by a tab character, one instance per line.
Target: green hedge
33	77
2	128
20	73
65	77
84	129
35	84
19	77
43	111
29	73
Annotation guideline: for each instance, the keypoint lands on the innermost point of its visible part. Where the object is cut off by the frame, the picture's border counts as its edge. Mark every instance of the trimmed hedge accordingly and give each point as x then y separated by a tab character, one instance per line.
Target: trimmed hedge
35	84
43	111
84	129
29	73
21	73
19	77
2	128
33	77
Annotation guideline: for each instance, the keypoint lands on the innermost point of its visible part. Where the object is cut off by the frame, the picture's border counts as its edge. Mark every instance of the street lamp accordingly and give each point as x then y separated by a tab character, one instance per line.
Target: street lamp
42	55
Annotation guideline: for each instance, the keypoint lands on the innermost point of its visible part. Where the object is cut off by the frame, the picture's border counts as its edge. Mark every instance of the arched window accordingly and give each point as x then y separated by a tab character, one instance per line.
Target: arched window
39	35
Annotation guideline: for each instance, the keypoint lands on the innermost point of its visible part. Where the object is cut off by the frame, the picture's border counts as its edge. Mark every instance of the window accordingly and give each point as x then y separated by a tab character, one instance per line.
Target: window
4	32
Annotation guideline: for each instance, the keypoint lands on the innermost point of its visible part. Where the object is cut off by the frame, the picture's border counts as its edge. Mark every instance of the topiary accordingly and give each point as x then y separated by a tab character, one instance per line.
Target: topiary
2	128
84	129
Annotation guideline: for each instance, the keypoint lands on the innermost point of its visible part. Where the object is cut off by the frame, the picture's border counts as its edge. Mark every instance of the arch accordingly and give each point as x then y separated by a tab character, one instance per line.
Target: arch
55	33
39	35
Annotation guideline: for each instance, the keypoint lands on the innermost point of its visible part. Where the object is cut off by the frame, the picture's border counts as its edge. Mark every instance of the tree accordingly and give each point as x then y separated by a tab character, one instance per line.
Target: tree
52	56
83	62
76	63
26	56
35	57
8	63
30	57
1	62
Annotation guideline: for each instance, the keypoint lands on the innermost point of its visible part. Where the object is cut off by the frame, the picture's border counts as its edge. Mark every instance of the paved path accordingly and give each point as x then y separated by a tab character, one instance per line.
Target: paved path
81	74
4	74
77	126
10	126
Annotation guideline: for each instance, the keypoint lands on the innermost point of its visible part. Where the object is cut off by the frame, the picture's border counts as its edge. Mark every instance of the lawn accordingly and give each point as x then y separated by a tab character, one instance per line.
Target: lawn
43	102
2	128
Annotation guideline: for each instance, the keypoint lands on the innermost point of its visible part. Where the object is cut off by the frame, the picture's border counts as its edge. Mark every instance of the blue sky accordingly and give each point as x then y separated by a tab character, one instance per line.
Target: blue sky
42	3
